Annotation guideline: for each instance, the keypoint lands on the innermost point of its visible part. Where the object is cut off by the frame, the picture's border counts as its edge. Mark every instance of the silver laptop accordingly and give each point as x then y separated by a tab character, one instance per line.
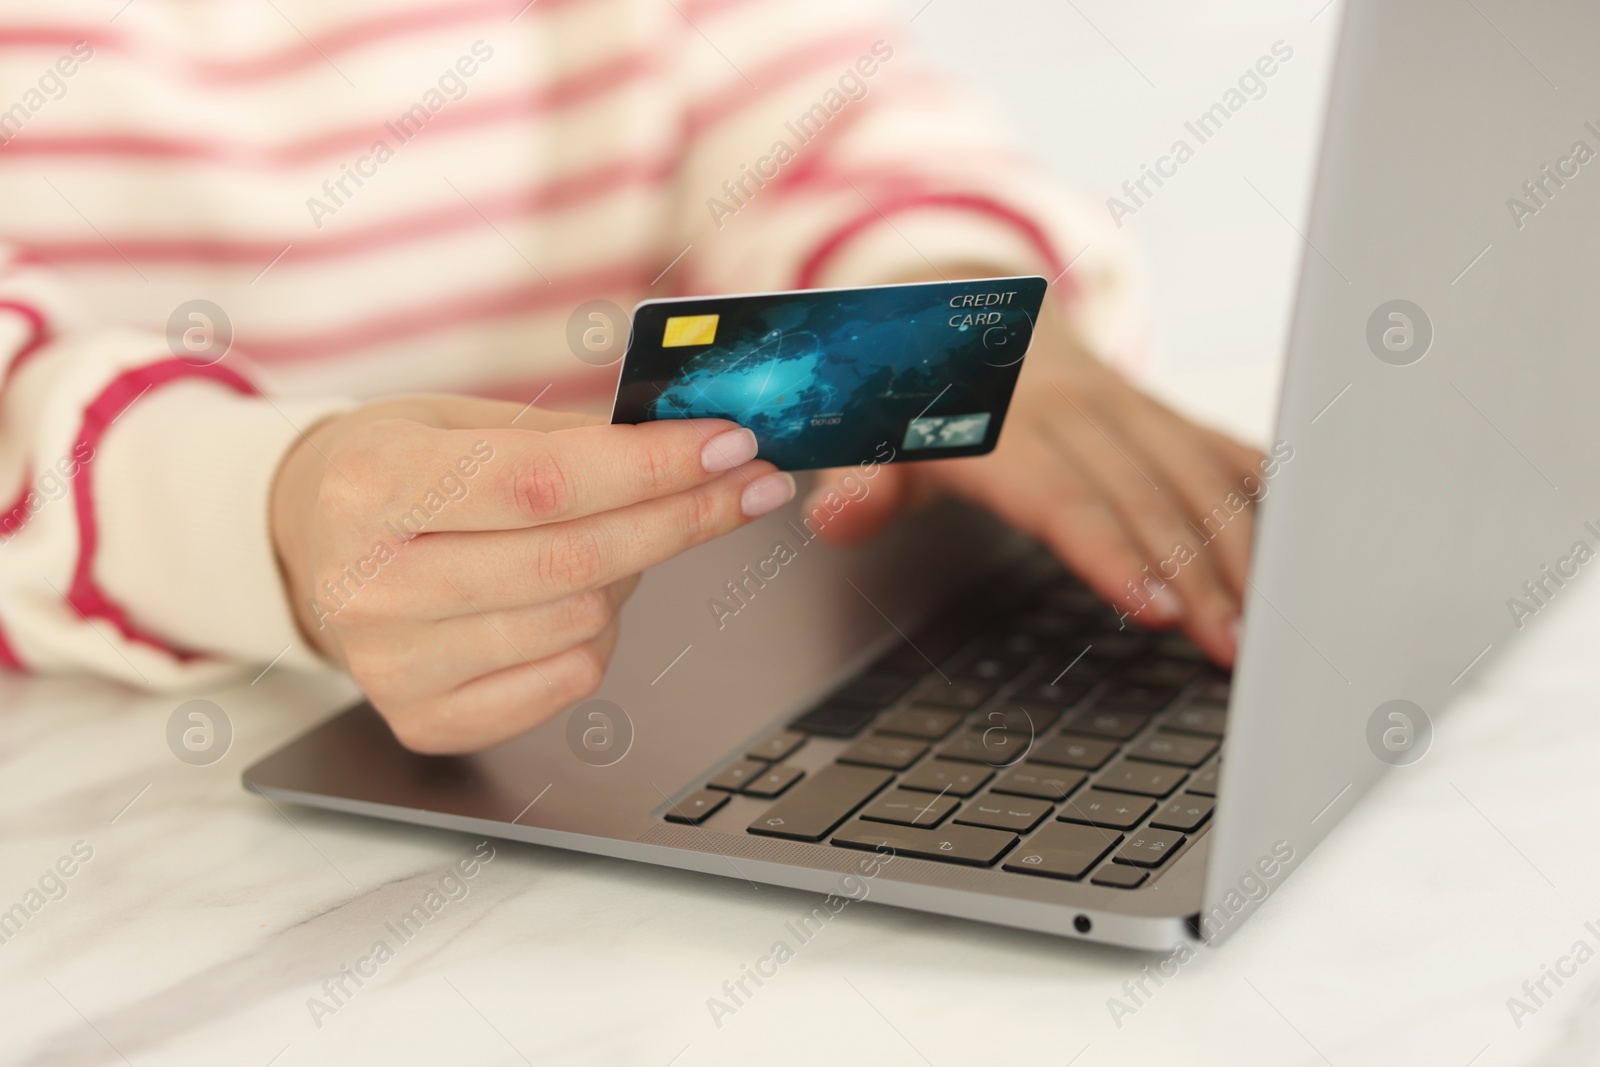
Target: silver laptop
945	720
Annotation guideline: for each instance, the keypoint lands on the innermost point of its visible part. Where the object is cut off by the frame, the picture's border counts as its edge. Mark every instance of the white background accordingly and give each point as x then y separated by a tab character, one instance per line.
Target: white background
1098	89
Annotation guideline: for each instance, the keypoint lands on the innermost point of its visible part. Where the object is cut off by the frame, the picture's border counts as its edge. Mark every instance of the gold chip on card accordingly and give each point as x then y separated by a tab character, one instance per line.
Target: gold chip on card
685	330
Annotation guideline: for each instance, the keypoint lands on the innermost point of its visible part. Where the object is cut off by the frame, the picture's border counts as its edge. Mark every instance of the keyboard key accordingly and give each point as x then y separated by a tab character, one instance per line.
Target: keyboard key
1146	779
997	748
1118	725
910	809
941	776
1075	600
1072	666
958	694
779	746
1117	876
735	776
1020	641
1129	696
1177	646
1179	749
932	644
1018	814
1051	625
1161	672
920	720
1062	850
969	845
1115	810
877	689
697	807
834	718
1037	780
877	750
996	669
1216	692
774	781
1186	813
1087	753
1068	691
1024	717
1149	848
1205	783
821	802
1197	718
1115	644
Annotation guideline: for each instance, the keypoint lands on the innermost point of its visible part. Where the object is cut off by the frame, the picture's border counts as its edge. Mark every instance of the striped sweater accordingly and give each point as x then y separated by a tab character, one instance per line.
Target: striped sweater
221	221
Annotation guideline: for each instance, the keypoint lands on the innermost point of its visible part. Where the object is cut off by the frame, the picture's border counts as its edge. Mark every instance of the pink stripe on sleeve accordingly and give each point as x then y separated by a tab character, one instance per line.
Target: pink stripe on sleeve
839	50
524	202
423	22
8	655
85	593
15	517
39	335
814	264
572	91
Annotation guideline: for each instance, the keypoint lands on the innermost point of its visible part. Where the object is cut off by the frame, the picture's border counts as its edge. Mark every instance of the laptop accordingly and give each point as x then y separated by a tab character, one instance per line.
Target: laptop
946	720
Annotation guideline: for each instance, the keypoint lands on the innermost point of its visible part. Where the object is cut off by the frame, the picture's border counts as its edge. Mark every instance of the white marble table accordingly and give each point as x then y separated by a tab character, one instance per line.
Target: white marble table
206	920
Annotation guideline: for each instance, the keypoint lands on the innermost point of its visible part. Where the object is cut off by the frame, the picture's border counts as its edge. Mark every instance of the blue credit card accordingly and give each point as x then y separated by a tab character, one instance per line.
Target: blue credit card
836	377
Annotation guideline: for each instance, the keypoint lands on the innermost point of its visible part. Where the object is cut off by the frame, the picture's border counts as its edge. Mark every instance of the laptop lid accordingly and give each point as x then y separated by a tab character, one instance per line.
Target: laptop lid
1441	483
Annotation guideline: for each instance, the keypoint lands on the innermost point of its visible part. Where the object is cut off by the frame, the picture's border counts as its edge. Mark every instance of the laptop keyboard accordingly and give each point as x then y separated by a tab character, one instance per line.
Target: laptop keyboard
1025	729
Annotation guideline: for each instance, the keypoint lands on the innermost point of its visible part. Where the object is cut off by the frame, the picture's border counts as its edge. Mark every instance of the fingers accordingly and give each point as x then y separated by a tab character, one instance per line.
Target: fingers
1155	528
1218	505
502	639
1240	458
470	413
451	573
461	413
494	707
848	506
1051	499
466	559
395	663
586	470
428	480
624	588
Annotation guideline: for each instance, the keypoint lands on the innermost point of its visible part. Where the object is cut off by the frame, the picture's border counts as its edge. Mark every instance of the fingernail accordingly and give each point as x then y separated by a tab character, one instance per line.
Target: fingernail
727	450
1165	604
766	493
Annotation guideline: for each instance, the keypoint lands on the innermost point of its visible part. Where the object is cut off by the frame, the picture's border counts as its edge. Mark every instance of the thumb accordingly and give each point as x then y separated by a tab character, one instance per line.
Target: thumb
449	412
848	505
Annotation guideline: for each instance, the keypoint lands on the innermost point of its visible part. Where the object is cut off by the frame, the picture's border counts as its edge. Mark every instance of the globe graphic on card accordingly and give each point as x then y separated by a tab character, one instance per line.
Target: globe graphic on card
775	386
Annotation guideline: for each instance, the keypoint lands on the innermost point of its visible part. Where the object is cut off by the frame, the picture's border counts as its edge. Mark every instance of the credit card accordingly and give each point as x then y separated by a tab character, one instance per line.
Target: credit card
837	377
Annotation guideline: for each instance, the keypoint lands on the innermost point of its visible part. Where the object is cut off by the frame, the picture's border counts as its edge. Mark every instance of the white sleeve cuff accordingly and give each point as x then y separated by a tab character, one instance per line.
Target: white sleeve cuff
183	485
